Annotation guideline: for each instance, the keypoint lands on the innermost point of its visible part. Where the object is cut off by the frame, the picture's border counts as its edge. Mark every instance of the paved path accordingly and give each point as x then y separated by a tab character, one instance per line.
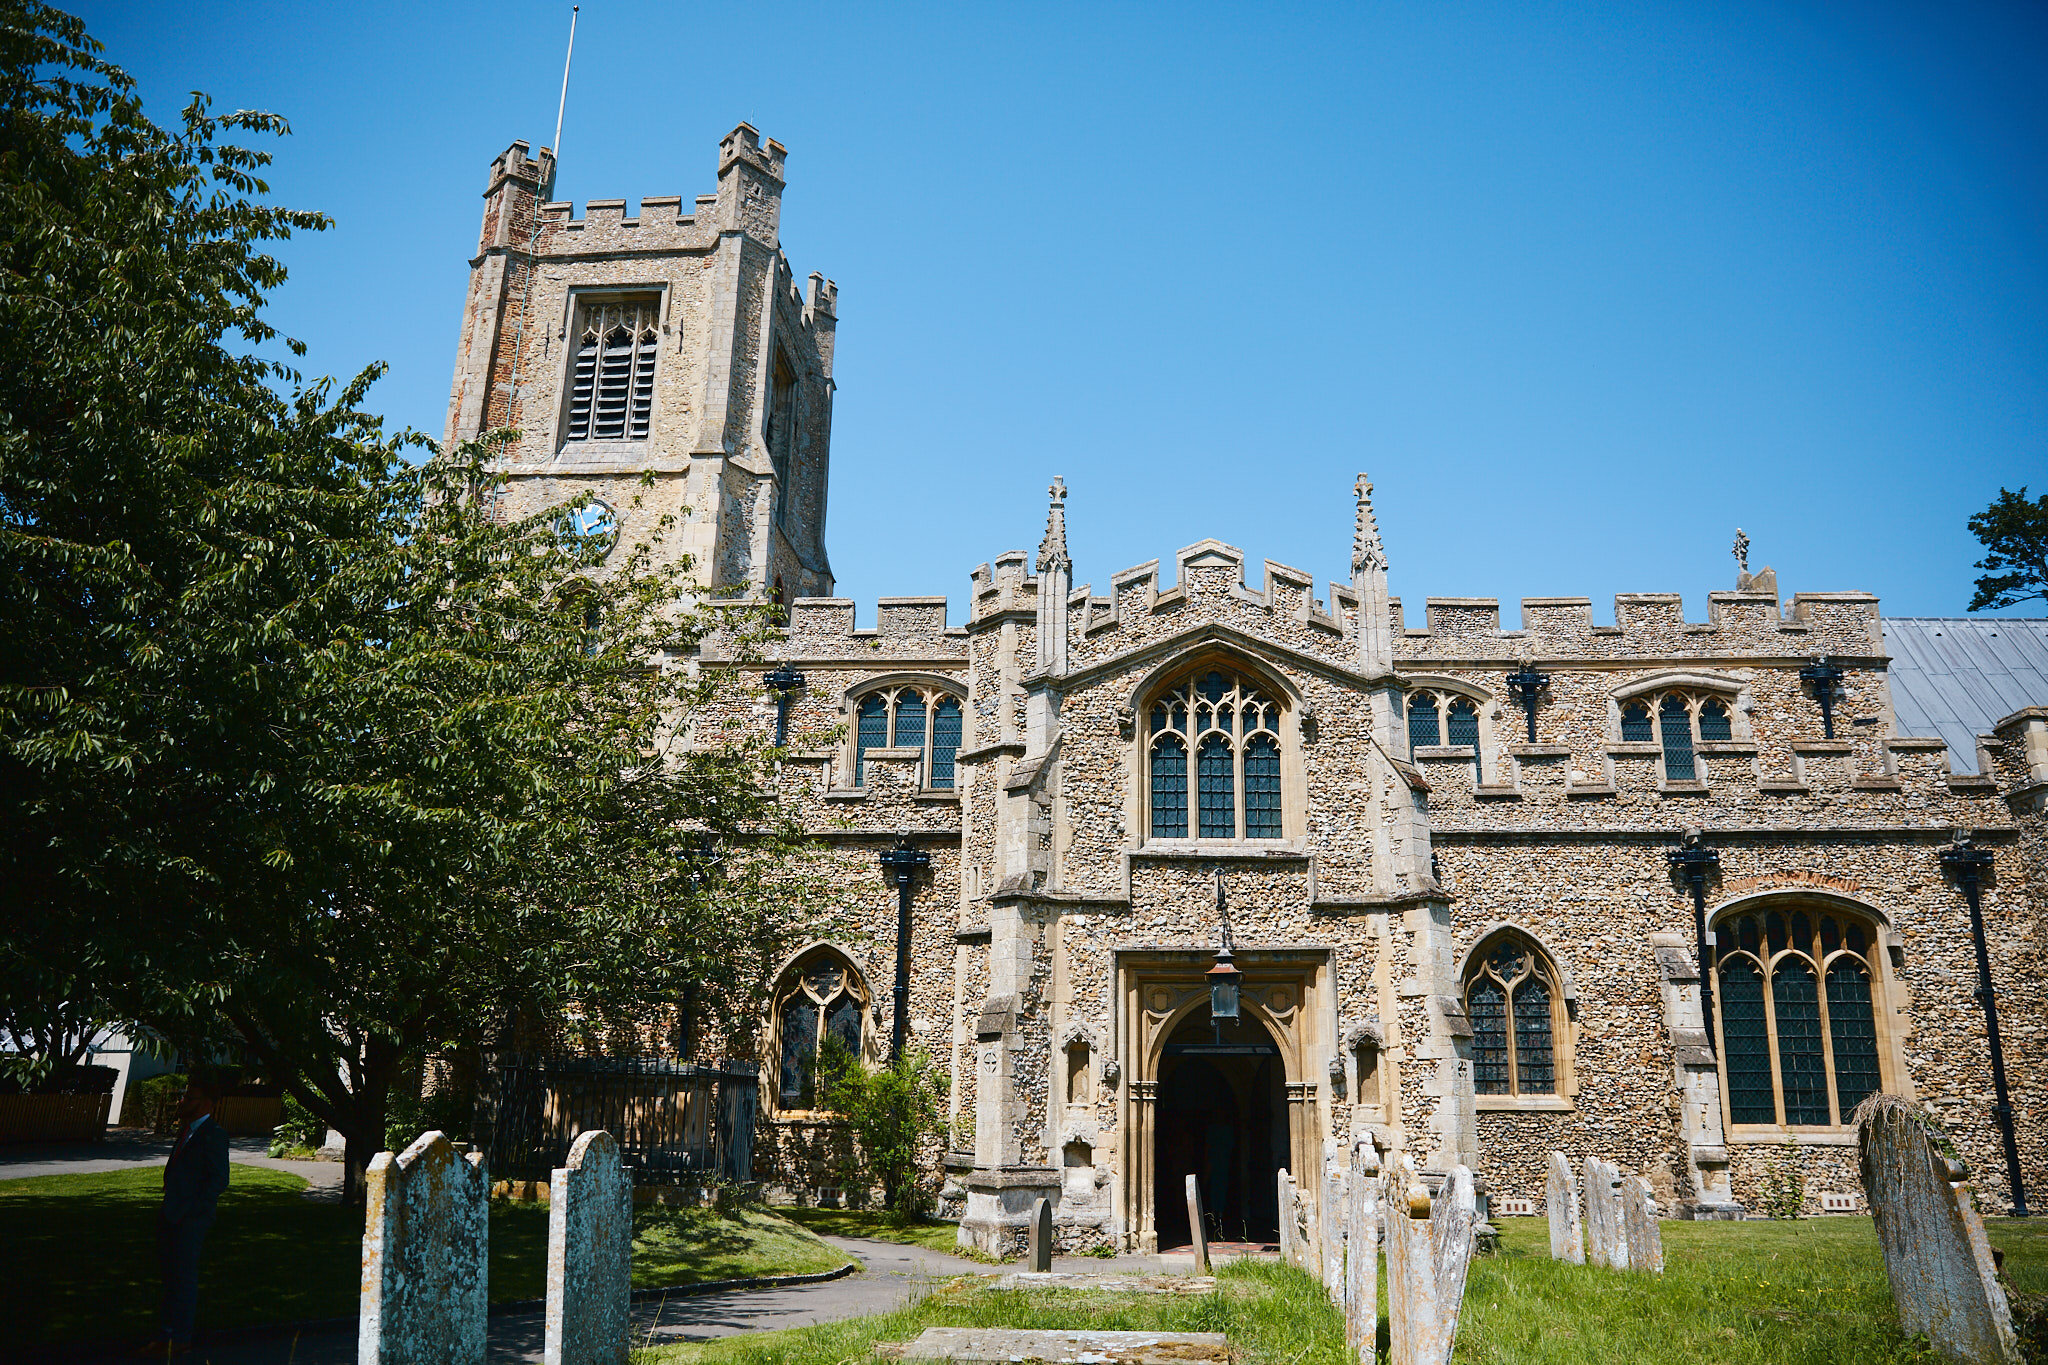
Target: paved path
126	1147
891	1277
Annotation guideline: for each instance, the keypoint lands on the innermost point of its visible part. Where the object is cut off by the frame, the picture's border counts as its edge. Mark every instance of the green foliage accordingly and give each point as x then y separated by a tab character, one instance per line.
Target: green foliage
893	1113
153	1103
2014	532
1782	1189
297	733
299	1130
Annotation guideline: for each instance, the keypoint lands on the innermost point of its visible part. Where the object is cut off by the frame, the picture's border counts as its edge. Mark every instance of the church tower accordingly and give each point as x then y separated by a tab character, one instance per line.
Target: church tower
667	362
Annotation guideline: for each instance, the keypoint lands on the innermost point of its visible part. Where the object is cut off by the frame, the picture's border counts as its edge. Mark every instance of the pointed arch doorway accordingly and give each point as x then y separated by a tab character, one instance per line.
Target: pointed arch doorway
1222	1118
1263	1098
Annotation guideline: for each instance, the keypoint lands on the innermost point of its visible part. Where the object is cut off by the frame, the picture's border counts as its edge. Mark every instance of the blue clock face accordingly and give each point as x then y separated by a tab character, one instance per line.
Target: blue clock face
594	521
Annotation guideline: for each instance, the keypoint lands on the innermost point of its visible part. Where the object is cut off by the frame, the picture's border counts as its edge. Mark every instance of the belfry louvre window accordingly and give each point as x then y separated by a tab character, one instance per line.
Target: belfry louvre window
1232	730
1797	1008
820	1009
903	718
611	375
1682	721
1510	999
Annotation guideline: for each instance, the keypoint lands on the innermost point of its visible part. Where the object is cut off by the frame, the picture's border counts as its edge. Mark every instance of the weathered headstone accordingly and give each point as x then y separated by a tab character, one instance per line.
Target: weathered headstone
1040	1243
1561	1195
590	1256
1935	1253
1606	1242
1331	1219
1453	1221
1429	1249
1198	1226
1362	1257
426	1252
1639	1226
1290	1236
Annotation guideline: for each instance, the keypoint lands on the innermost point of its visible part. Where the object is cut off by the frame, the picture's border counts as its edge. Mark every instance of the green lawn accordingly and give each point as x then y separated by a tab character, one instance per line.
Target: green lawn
1275	1315
1757	1293
81	1250
932	1236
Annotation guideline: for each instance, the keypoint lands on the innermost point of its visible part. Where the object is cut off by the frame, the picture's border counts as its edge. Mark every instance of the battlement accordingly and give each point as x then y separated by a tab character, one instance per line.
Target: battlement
823	628
1646	623
743	145
518	163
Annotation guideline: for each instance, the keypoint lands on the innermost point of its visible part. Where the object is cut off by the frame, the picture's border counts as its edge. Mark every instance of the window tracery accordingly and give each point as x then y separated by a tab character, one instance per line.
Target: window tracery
611	371
1681	721
1511	1001
1232	729
1435	720
821	1001
909	717
1797	1004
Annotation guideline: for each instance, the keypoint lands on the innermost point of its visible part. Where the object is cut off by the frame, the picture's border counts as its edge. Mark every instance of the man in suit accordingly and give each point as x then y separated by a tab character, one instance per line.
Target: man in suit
194	1179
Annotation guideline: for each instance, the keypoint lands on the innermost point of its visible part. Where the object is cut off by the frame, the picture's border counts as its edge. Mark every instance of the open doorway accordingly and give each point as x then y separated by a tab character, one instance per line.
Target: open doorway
1222	1117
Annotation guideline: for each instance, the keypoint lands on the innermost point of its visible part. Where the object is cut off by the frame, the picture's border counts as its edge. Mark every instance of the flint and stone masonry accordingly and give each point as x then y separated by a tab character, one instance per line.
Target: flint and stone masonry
1467	948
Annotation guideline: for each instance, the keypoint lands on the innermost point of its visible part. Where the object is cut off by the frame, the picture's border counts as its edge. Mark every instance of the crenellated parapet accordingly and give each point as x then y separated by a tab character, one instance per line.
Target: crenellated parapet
1646	625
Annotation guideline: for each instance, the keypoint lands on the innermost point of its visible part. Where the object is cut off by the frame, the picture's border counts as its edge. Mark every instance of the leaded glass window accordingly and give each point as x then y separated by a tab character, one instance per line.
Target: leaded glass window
1486	1006
1674	721
1169	788
781	430
1461	726
1422	722
1795	1054
1635	724
821	1007
1714	725
1510	1000
1233	729
611	371
910	718
946	720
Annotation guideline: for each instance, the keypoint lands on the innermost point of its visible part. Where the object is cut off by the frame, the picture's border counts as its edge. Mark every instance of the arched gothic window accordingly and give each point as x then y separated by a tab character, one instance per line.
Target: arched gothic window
1453	720
1797	1004
611	372
820	999
902	718
1511	999
1682	721
1233	730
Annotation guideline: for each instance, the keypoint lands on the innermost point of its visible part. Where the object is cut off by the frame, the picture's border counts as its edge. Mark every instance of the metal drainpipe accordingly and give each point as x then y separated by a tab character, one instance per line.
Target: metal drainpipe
1692	861
1968	864
901	864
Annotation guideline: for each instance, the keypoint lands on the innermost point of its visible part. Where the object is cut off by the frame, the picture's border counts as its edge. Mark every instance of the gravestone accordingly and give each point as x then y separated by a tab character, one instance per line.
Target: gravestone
1362	1257
1429	1250
1606	1242
1330	1219
590	1256
1935	1252
1561	1196
1290	1251
1040	1242
1644	1238
426	1251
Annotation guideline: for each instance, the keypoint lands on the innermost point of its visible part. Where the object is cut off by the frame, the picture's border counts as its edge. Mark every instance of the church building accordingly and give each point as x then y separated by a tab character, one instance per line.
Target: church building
1213	871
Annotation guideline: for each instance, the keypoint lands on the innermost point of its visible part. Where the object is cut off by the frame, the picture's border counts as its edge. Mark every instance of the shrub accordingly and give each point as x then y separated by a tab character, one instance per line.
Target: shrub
153	1104
893	1113
1783	1192
300	1128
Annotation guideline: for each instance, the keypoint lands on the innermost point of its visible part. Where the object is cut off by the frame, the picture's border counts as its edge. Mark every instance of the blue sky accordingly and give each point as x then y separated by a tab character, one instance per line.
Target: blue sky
1583	287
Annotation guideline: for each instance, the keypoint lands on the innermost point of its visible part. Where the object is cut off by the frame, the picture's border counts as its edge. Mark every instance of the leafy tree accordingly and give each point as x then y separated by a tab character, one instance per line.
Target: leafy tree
297	733
892	1113
2015	533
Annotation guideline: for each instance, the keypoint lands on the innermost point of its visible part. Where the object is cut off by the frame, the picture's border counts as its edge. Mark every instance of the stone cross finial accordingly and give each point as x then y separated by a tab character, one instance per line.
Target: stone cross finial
1052	551
1366	550
1741	551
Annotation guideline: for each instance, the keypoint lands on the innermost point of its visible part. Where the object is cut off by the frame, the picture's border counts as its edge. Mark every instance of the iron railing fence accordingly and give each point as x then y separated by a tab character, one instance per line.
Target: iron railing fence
676	1123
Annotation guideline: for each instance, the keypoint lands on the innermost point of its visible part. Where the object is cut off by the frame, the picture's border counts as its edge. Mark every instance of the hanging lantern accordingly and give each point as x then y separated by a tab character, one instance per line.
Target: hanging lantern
1224	979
